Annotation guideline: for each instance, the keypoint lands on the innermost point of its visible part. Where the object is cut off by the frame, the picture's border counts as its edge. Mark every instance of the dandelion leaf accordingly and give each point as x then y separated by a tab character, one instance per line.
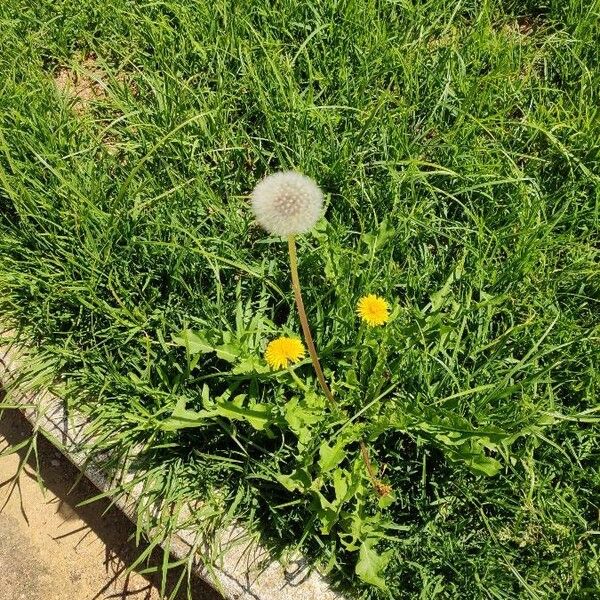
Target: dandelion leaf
182	418
196	343
258	415
371	564
331	456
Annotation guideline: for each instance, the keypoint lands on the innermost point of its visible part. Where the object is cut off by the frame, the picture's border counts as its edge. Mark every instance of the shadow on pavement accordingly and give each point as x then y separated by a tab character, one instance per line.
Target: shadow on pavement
109	524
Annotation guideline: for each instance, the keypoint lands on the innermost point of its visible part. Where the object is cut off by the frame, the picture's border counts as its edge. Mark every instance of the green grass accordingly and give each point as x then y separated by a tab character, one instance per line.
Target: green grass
457	145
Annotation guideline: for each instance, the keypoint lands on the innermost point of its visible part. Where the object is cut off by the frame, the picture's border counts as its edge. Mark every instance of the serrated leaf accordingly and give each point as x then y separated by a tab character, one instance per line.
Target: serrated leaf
481	464
300	414
387	500
299	480
252	364
371	565
330	457
258	415
196	343
377	240
182	418
340	485
228	352
327	513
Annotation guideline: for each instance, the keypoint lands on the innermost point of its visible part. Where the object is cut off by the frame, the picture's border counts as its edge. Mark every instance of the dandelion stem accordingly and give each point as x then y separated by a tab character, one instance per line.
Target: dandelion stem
381	489
304	321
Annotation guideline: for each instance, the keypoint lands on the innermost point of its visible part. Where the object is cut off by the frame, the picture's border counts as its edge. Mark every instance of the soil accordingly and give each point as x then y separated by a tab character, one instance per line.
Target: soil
53	549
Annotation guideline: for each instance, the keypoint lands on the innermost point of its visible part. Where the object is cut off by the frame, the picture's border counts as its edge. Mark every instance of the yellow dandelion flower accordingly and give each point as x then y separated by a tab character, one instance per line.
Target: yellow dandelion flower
373	310
283	351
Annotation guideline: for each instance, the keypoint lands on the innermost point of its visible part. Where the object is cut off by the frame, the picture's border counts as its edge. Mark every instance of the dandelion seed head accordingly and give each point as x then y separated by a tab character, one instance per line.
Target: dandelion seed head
287	203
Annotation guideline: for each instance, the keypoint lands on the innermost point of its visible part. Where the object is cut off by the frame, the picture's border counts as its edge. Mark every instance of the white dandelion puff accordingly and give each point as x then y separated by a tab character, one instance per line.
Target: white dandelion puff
287	203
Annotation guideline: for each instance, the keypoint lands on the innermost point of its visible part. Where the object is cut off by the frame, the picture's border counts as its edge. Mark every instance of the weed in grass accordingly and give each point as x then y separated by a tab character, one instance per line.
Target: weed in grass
457	149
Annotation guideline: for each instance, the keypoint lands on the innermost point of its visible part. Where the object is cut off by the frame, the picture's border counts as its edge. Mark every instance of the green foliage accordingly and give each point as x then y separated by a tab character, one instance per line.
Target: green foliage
370	565
457	146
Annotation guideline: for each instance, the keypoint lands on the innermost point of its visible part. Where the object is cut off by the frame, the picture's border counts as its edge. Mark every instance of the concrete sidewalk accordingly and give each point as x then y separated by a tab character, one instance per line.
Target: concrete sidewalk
50	549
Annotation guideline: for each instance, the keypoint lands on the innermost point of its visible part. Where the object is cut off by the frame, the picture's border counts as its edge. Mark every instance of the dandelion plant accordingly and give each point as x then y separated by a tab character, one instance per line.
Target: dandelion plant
287	204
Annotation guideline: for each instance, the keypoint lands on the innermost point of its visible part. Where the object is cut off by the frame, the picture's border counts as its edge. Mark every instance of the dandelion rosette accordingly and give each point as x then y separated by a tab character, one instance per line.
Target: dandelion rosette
283	351
373	309
287	203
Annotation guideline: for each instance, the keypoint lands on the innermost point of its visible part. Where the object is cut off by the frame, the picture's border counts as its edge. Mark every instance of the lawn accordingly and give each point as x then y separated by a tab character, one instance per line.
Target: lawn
457	147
